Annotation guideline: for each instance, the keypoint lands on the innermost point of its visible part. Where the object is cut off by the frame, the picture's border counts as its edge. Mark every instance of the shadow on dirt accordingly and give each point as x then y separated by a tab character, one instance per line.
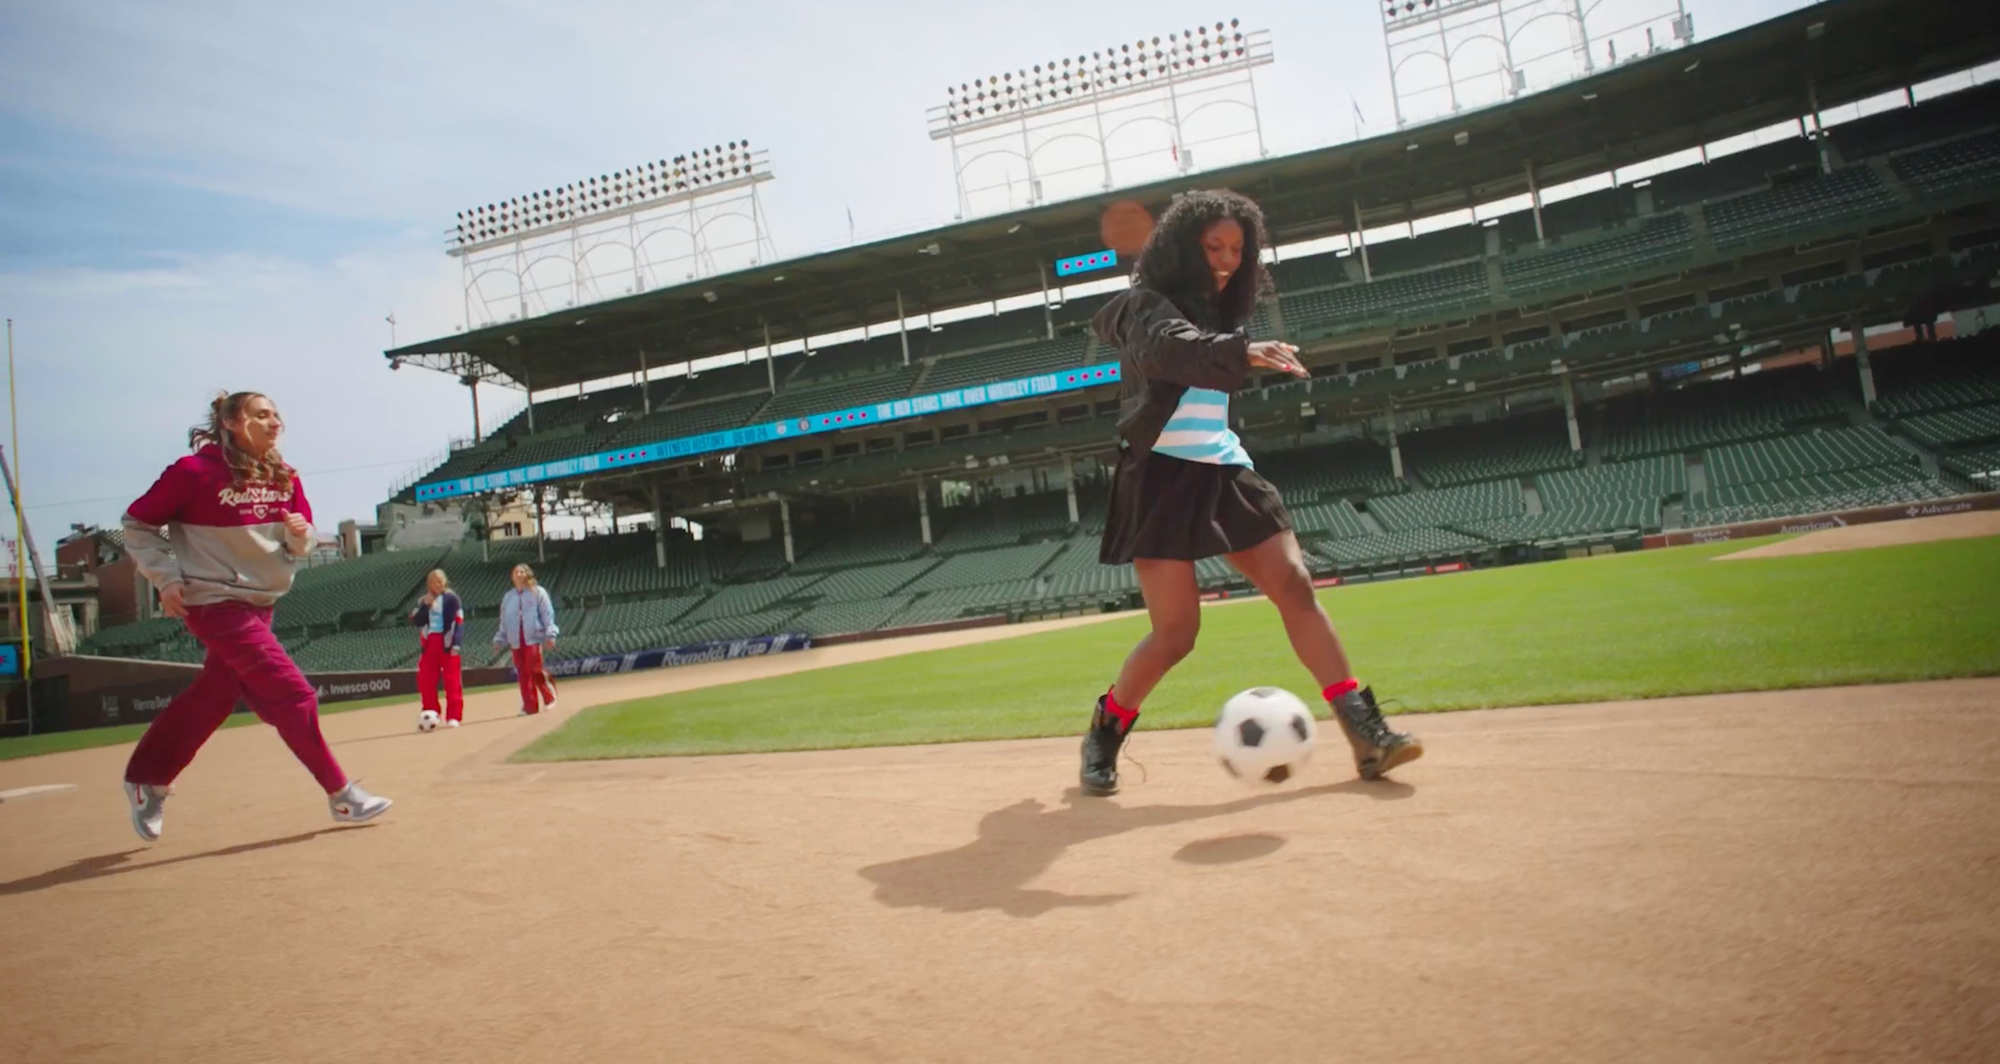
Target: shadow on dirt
118	864
1021	841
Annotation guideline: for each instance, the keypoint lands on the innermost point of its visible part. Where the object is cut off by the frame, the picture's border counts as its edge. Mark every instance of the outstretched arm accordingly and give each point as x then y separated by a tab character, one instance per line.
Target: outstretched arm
1149	329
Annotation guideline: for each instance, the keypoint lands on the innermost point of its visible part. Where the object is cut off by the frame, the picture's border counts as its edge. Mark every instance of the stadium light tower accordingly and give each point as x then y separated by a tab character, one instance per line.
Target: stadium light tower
1088	123
1448	56
613	234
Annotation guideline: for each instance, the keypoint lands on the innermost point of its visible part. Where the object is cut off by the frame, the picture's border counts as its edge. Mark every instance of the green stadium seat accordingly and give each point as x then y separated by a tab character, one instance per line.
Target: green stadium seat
867	390
1329	309
628	564
1420	510
1972	162
1794	457
1820	199
1704	414
1762	502
1980	465
370	584
849	616
1008	363
869	582
1642	479
1510	447
1650	242
1410	545
757	596
986	567
861	547
1595	517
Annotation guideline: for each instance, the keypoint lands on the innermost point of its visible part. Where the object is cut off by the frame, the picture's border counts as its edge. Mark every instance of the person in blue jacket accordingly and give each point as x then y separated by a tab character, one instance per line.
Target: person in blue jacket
440	618
528	626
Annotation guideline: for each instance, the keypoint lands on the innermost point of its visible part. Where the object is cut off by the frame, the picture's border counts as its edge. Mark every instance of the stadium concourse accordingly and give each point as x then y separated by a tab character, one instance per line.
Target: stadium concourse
1665	340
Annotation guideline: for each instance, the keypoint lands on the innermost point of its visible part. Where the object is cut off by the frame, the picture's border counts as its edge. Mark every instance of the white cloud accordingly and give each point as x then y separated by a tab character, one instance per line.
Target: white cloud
112	368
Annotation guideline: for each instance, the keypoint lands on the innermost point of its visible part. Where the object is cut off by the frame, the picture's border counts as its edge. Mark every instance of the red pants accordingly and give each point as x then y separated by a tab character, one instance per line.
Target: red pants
438	659
534	678
244	661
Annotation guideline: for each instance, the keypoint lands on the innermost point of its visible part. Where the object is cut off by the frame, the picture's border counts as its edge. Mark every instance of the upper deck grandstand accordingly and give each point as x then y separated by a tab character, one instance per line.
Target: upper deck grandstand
1616	307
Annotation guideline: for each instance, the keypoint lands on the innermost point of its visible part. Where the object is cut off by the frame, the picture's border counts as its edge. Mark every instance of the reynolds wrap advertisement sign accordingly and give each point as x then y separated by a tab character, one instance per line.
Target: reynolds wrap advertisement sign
669	657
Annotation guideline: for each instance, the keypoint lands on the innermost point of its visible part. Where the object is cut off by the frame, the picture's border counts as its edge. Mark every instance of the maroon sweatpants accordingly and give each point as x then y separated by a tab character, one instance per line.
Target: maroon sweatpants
244	660
438	660
534	678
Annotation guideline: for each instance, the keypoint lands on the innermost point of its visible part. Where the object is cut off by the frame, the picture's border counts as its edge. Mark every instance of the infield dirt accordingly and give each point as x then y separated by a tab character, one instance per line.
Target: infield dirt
1789	876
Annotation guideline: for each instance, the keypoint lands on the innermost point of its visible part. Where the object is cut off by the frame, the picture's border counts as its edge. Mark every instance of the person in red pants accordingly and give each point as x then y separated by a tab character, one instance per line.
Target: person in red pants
441	616
528	627
219	535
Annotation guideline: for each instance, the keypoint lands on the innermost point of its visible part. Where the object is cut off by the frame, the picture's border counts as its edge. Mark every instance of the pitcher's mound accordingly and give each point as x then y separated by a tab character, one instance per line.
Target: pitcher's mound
1881	534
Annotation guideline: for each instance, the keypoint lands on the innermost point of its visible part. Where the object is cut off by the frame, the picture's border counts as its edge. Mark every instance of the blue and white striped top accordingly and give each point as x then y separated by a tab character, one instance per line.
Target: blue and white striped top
1199	431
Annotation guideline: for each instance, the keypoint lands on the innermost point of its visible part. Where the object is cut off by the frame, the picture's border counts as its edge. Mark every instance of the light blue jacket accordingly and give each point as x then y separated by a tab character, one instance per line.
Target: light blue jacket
527	608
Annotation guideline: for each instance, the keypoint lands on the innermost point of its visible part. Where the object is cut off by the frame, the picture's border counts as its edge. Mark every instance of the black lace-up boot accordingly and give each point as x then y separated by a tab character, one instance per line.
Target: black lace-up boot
1100	750
1376	748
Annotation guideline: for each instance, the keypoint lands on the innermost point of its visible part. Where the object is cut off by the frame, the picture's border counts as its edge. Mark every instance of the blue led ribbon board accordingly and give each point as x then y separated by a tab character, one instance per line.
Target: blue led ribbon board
1068	380
1096	260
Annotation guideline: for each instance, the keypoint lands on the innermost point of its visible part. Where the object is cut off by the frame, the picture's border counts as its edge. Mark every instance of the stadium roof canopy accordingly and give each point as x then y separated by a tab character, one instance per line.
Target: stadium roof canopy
1668	102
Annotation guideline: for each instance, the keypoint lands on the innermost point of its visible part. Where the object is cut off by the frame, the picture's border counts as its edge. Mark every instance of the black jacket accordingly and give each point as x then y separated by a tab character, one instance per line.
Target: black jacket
1161	355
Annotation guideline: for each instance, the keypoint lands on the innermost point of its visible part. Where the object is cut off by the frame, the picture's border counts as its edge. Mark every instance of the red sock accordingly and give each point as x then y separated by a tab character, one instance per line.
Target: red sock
1125	716
1341	688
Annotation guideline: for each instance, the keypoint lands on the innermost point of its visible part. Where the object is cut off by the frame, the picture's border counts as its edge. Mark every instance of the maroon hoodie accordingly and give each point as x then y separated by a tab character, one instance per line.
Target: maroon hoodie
225	542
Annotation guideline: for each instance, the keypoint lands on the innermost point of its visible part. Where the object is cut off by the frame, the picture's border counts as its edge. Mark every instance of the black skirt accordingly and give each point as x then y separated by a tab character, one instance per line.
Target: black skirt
1170	508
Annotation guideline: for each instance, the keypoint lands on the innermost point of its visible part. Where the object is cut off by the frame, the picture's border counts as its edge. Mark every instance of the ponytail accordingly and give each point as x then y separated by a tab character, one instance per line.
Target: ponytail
270	468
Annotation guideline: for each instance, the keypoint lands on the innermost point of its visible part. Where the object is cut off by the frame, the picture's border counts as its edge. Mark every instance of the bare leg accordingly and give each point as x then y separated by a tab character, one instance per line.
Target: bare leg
1278	569
1173	603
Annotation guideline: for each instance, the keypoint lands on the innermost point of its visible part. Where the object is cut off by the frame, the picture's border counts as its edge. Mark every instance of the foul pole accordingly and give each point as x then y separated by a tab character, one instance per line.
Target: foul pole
20	538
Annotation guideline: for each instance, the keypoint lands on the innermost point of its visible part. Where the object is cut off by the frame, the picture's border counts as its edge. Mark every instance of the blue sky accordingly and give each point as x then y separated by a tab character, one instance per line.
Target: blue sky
211	195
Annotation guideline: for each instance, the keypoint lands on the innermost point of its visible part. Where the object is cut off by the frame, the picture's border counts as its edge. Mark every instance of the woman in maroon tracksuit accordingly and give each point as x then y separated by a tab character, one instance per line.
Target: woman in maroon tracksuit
220	535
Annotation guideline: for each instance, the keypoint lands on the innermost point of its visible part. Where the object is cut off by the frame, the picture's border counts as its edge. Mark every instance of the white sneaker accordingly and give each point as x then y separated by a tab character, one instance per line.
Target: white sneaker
352	805
451	724
550	704
145	802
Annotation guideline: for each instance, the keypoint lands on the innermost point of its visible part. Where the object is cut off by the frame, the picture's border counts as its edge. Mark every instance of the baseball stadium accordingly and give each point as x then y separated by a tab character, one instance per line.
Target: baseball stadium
1648	465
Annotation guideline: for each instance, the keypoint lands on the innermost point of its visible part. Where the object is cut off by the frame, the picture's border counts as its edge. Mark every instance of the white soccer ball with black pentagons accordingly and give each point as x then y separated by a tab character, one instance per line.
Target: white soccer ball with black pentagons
1265	735
427	720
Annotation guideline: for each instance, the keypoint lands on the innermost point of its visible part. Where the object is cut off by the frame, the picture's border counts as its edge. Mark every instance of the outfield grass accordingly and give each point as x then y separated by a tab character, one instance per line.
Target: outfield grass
90	738
1638	625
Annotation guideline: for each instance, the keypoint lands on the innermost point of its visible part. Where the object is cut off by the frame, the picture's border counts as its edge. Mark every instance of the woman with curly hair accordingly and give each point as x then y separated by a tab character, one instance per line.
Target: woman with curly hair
220	534
1184	488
